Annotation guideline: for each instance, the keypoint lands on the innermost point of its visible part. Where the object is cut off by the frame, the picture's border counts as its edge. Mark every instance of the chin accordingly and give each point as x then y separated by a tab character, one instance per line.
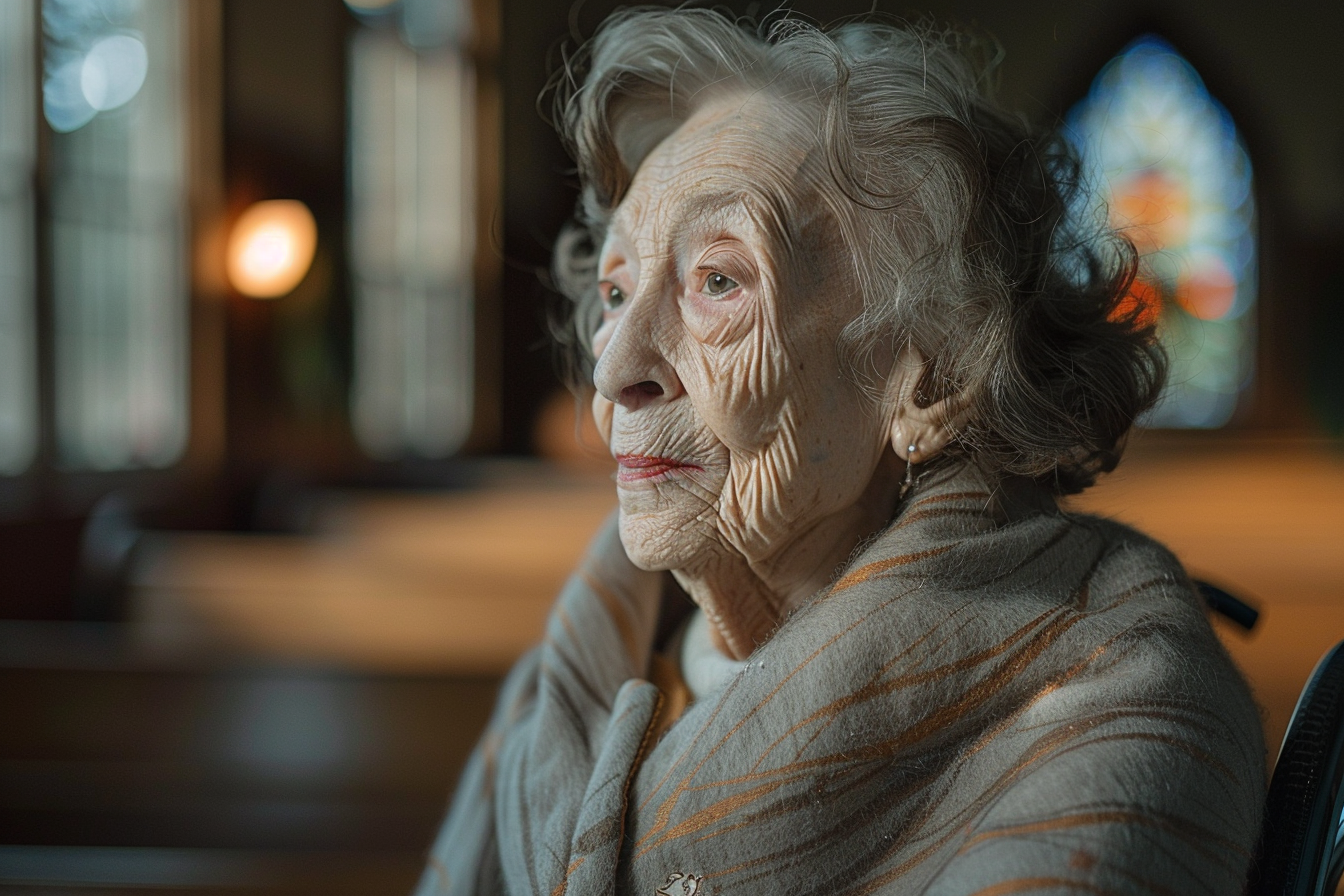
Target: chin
667	522
657	542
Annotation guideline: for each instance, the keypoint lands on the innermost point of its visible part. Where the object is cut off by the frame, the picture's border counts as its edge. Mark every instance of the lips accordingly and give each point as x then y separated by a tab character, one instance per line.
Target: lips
638	467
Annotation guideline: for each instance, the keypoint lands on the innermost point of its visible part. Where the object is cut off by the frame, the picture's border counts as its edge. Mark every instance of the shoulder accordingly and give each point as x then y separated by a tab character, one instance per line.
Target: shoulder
1139	758
1059	615
1145	626
1138	595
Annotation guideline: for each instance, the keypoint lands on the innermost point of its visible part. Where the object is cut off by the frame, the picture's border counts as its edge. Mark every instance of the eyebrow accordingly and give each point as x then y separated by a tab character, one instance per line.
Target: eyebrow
705	203
762	206
705	211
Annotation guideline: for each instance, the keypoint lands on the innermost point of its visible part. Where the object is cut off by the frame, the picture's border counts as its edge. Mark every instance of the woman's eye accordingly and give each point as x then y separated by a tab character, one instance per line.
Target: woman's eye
717	284
612	297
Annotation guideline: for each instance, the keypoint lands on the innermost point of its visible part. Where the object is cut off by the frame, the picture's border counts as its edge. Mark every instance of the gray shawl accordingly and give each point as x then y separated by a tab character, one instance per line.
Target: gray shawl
993	697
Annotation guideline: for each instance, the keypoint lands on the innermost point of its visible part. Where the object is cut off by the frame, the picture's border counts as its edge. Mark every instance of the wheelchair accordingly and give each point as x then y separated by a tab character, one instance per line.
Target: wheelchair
1300	850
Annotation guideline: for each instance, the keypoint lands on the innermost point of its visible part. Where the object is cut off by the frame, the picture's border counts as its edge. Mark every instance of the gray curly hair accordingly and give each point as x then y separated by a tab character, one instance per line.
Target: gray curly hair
967	249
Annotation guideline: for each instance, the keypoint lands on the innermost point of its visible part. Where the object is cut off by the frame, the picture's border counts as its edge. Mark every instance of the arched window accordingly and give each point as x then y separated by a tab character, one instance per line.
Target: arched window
1175	176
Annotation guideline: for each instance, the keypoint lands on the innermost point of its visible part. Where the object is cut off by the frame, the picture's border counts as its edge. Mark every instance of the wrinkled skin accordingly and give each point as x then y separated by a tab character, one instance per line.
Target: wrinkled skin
751	464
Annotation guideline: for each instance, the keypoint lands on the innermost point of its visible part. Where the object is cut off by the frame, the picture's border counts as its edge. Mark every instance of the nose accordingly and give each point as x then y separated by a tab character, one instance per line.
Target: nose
632	371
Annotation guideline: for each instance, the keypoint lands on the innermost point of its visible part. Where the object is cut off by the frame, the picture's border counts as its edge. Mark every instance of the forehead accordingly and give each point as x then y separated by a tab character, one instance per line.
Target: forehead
744	154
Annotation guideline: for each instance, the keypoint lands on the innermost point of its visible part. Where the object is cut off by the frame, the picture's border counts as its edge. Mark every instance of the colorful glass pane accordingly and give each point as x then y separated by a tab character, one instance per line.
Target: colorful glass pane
1175	177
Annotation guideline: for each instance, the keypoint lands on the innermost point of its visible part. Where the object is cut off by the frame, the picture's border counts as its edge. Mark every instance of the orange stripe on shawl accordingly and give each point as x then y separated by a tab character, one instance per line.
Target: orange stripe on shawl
866	572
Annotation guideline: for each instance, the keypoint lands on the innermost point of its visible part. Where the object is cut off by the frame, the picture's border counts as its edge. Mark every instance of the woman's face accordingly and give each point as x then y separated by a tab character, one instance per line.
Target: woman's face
725	284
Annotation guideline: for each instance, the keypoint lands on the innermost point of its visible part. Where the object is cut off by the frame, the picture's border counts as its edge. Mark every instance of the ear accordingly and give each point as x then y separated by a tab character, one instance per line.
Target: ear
919	433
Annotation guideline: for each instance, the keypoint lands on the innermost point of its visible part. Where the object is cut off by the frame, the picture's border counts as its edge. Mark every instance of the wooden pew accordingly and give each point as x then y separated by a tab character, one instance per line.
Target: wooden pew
125	771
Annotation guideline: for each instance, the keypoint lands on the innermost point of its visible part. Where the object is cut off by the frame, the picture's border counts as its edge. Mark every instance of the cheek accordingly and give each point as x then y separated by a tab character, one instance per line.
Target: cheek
720	323
602	414
738	382
602	337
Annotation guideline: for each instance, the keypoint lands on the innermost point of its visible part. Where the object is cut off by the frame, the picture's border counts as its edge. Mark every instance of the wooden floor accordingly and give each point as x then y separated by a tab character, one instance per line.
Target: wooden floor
456	582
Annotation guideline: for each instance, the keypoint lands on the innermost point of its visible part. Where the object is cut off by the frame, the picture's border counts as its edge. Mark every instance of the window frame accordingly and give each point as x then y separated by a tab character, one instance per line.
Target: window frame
47	487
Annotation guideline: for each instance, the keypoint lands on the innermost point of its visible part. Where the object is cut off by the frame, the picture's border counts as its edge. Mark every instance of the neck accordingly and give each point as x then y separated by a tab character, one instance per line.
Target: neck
745	599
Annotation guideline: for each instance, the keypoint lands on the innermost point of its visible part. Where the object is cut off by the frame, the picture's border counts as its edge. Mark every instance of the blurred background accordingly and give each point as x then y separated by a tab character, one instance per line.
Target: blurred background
287	475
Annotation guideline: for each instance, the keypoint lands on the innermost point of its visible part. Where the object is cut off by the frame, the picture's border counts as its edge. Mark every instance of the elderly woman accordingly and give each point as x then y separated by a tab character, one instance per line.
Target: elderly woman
849	347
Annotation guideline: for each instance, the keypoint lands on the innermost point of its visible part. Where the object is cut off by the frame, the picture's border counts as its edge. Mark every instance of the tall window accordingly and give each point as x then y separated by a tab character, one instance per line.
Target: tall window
412	210
18	159
111	92
1176	178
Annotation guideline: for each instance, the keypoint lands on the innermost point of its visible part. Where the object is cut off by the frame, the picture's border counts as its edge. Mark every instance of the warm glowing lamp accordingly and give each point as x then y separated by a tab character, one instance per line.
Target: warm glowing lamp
271	247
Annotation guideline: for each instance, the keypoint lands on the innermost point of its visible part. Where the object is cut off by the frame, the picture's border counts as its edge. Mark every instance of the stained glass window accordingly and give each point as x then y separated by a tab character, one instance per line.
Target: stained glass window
111	92
412	208
18	157
1175	177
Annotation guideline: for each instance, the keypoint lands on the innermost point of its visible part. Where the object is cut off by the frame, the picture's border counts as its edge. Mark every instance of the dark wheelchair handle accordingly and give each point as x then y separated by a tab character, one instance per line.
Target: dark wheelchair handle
1218	600
1299	851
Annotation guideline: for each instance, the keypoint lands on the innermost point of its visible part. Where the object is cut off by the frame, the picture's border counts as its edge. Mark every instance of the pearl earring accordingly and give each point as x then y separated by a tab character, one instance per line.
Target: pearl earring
909	469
